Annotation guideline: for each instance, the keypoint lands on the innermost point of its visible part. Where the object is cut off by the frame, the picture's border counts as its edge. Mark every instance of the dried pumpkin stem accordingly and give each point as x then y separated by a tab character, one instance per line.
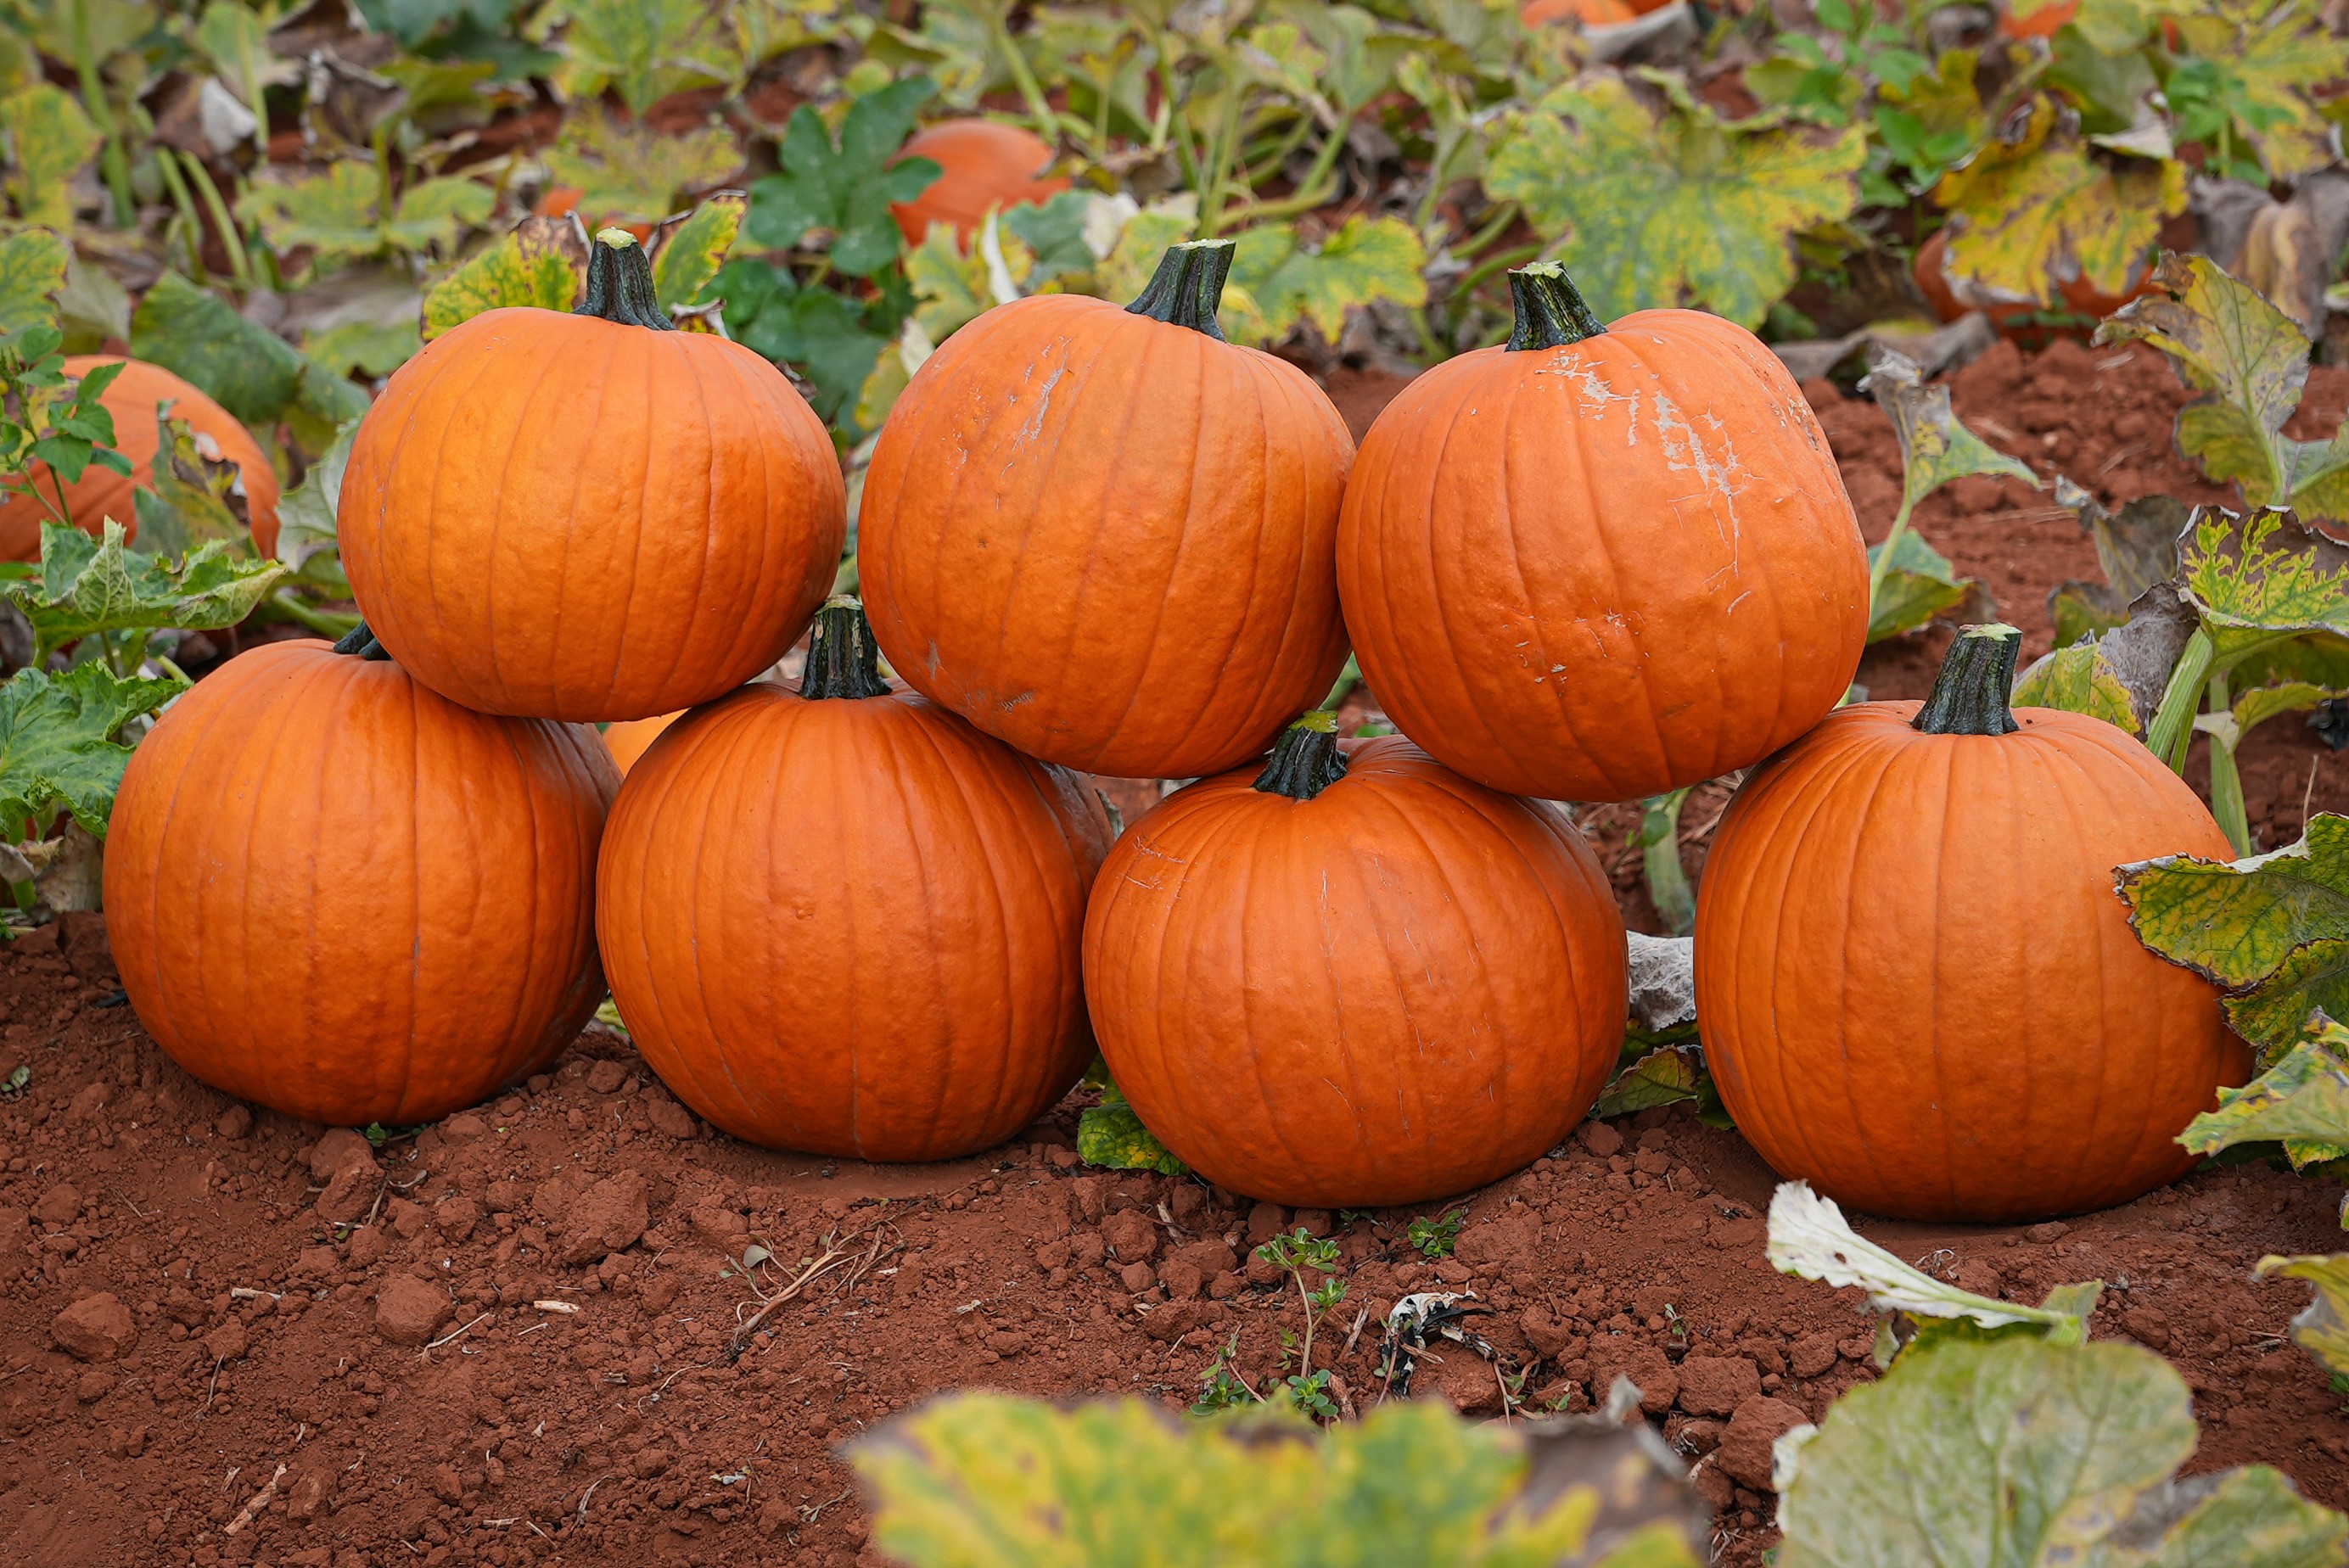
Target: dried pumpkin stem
1305	759
1551	312
1188	286
360	643
842	661
1969	693
620	283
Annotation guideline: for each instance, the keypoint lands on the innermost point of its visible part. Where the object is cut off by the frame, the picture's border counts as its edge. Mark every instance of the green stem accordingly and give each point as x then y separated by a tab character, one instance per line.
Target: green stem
324	623
2173	722
2226	779
1225	147
1314	190
1188	286
1305	1355
231	240
1883	554
1023	76
1549	310
1970	695
1494	227
169	167
1668	885
1305	759
1500	262
114	159
842	659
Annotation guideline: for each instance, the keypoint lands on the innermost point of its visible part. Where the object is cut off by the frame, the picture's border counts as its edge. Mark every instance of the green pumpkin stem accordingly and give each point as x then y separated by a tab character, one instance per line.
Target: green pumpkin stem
620	283
1188	286
1969	693
843	660
1551	312
360	643
1304	760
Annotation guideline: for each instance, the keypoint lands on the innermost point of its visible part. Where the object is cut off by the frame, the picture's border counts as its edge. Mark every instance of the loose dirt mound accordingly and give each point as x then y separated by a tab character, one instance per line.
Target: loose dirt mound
226	1337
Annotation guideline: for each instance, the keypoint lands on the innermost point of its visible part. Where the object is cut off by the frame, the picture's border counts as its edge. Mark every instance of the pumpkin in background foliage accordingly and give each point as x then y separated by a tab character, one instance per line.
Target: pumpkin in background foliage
335	894
2017	320
983	163
629	740
842	921
1918	991
1349	977
1602	561
103	494
590	515
1105	535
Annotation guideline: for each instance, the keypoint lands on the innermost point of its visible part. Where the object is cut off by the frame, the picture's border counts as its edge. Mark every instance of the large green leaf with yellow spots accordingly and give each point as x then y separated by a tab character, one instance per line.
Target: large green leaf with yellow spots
539	264
2078	679
2270	57
2263	572
2302	1102
2322	1328
48	139
1277	281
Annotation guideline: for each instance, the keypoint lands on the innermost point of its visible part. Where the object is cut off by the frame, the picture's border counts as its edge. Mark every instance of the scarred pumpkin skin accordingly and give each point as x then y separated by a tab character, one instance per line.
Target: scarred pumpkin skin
335	894
102	493
982	163
1107	539
1402	988
1606	568
1918	990
849	925
553	515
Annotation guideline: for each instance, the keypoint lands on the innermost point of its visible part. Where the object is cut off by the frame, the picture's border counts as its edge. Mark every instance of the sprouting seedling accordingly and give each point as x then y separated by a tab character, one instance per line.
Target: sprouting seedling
1223	1387
1293	1255
1436	1237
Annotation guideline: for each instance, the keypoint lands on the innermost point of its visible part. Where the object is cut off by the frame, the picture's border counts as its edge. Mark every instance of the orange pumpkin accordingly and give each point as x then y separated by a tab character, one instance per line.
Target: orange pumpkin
1589	13
1105	535
102	493
590	515
983	163
2045	22
561	200
2016	320
1917	989
335	894
1352	977
628	742
1602	561
842	921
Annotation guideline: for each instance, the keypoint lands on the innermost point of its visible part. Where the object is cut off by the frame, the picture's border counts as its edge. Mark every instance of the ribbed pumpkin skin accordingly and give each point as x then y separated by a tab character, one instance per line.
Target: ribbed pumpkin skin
555	516
103	494
1607	569
850	927
1108	539
1916	988
1403	988
982	163
335	894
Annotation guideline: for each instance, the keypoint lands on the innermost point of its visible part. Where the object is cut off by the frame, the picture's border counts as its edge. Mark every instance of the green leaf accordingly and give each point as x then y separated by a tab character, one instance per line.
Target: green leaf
306	538
540	263
2275	55
56	746
2250	362
2302	1100
89	585
2078	679
91	307
198	493
369	348
1111	1136
249	370
1935	447
31	270
335	213
2041	207
988	1480
627	174
644	49
2260	704
2322	1328
1275	282
843	191
1680	208
49	139
822	333
432	213
1127	270
1054	233
955	286
1666	1075
2084	610
1918	584
691	253
2019	1451
237	39
2265	573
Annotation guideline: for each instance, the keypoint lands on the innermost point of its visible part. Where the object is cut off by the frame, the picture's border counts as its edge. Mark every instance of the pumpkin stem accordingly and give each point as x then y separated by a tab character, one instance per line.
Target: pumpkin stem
843	660
620	283
361	642
1304	760
1188	286
1551	313
1969	693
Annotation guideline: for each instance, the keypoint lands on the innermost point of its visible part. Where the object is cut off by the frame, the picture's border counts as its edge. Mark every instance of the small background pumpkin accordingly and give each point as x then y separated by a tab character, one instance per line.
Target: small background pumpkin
983	163
629	741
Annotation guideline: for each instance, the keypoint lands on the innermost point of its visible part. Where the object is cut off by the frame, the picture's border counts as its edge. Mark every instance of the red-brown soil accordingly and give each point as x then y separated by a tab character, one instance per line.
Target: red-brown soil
180	1317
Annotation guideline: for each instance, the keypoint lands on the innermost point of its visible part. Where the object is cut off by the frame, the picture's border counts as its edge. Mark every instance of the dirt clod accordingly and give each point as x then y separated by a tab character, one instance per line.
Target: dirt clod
606	1218
94	1328
1717	1384
1745	1454
408	1311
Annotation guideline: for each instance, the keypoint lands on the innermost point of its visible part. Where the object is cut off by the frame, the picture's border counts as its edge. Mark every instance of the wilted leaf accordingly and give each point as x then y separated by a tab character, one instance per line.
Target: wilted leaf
986	1480
1275	282
189	496
2082	609
89	585
2303	1103
1978	1453
628	174
251	371
49	140
1663	1076
2078	679
1682	208
237	39
2249	361
56	747
2136	546
2322	1328
1918	584
692	251
32	271
306	539
2043	206
843	191
2265	573
543	262
1935	447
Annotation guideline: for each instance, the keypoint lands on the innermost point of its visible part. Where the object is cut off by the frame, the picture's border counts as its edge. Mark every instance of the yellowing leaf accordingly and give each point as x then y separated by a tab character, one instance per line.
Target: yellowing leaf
2277	54
2035	206
31	270
2303	1099
691	253
1666	1075
335	212
56	741
1919	583
955	288
628	174
1112	1137
646	50
2322	1328
1676	208
90	585
2078	679
540	263
432	213
2264	572
49	140
1127	269
1275	282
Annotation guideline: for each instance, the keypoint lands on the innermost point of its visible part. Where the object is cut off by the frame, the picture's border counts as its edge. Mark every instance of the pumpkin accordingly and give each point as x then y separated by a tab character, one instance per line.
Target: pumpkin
336	894
1354	978
983	163
1918	990
102	493
2018	320
590	515
626	742
842	921
562	201
1602	563
1105	535
2045	22
1589	13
